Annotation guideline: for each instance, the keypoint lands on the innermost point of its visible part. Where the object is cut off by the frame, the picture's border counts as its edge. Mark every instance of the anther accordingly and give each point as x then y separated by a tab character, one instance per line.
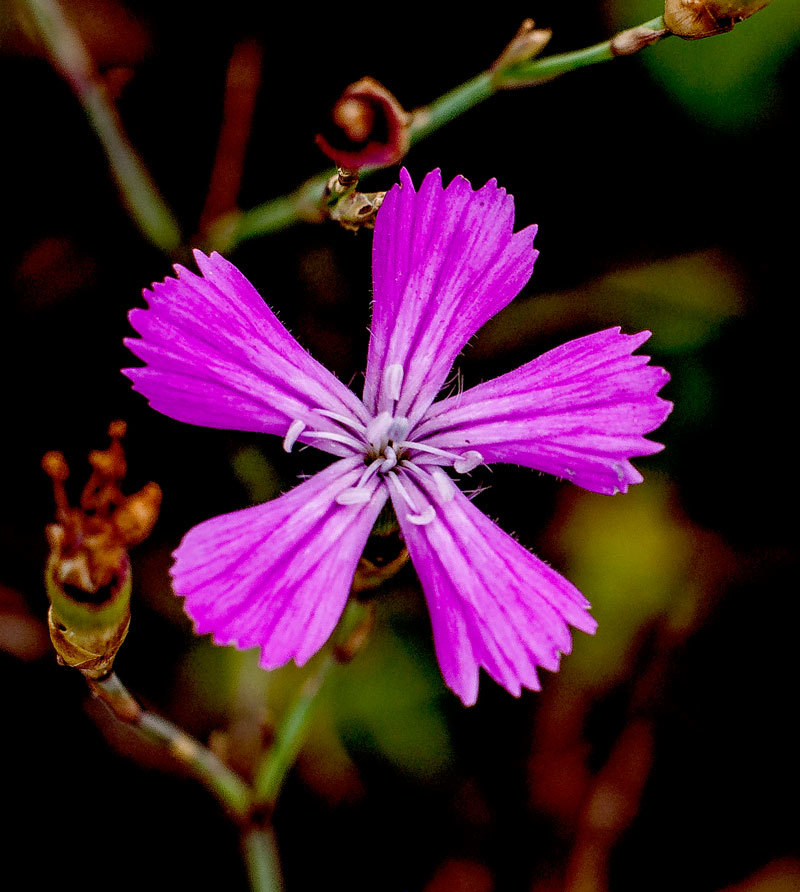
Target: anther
468	462
393	380
398	429
354	496
295	429
378	430
443	483
423	519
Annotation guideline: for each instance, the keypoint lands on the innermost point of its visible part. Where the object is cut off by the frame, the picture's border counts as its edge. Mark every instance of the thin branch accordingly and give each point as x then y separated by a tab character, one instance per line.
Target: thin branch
305	203
70	57
207	767
241	89
262	860
289	737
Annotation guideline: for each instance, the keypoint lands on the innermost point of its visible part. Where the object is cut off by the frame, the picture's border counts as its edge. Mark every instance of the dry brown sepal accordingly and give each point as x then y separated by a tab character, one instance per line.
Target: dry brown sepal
695	19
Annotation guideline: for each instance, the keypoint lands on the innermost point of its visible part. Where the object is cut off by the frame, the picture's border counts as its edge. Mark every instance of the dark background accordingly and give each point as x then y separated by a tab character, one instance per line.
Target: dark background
665	188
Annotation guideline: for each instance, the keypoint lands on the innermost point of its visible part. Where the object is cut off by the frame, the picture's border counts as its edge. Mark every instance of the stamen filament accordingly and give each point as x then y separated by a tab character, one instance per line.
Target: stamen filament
337	438
353	423
463	463
428	515
372	469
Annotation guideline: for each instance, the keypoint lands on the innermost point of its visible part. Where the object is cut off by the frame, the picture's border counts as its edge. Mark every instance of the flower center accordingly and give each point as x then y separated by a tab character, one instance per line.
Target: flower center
388	452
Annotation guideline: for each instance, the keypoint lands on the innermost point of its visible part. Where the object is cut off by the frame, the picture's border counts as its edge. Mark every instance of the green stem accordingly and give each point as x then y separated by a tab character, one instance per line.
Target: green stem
540	70
291	733
208	768
304	203
289	737
139	193
451	106
262	860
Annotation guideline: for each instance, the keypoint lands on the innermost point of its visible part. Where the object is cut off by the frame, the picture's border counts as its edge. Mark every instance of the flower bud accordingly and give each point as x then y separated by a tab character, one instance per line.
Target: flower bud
368	128
88	572
694	19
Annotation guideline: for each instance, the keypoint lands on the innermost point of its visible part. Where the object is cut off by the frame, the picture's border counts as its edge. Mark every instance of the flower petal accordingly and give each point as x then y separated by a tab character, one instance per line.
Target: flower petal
277	576
218	356
492	603
444	261
579	411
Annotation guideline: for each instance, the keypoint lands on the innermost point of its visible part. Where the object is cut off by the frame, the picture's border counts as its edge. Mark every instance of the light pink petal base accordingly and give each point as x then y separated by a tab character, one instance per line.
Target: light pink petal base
277	576
492	603
217	356
579	412
444	261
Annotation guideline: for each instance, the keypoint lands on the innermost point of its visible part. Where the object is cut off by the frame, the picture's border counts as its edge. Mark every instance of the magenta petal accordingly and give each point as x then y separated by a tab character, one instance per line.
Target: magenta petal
277	576
492	603
217	356
579	412
444	262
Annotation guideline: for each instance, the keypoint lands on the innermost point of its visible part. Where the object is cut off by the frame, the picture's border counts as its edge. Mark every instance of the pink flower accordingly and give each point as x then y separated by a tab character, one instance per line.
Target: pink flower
277	576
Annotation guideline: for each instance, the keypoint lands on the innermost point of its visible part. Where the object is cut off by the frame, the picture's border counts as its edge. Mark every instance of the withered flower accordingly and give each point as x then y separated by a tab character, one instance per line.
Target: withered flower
694	19
368	128
88	574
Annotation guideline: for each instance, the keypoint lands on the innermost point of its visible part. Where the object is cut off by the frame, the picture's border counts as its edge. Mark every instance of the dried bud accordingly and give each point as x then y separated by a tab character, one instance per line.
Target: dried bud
368	128
88	574
626	43
693	19
527	43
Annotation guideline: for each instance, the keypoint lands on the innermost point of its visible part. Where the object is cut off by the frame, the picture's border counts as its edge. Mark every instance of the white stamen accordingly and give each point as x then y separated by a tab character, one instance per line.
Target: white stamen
354	496
423	519
398	429
352	423
468	462
295	429
377	432
393	380
401	491
444	484
463	463
416	518
391	459
431	450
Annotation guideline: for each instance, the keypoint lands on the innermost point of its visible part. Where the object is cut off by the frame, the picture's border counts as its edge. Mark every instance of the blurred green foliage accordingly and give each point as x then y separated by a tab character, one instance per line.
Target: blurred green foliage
730	81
